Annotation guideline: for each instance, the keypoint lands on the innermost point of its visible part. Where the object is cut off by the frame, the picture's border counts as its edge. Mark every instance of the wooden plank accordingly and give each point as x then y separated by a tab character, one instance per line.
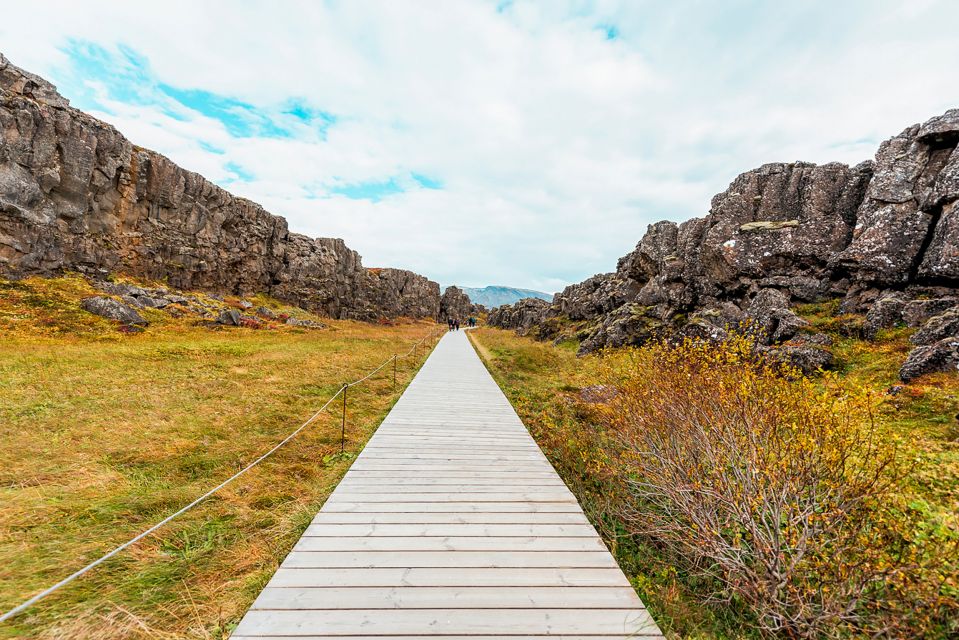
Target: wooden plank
361	474
464	559
437	621
550	492
450	465
405	457
339	506
450	524
447	530
473	471
450	577
285	598
407	439
401	544
449	637
474	496
413	481
519	517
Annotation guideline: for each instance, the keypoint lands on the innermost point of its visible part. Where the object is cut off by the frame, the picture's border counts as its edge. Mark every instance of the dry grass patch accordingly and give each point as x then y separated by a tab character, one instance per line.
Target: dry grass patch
103	434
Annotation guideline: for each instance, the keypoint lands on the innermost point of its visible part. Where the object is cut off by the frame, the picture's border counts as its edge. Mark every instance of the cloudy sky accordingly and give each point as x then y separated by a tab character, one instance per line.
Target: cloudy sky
516	143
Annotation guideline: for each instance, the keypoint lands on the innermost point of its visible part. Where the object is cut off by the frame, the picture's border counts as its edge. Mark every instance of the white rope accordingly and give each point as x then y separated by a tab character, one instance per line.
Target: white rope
424	339
28	603
389	360
370	374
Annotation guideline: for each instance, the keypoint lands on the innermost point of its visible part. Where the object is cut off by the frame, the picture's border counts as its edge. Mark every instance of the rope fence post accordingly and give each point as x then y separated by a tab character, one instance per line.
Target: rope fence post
343	423
394	373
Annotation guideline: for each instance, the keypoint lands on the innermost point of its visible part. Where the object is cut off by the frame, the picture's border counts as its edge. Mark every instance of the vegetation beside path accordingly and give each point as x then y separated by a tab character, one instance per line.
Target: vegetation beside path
105	433
880	459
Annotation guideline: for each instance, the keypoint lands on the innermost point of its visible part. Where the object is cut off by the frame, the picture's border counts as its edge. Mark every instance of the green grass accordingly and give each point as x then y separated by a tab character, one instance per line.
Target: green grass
106	433
925	410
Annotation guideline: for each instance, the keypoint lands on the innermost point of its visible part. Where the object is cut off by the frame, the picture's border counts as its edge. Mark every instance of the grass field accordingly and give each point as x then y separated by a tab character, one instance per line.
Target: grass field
552	391
105	433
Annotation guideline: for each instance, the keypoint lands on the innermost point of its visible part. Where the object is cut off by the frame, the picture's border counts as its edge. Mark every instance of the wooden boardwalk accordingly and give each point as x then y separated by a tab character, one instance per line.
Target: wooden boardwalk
450	524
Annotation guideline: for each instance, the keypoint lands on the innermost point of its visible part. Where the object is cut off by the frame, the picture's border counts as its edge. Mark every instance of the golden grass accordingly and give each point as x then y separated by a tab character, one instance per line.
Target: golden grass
104	434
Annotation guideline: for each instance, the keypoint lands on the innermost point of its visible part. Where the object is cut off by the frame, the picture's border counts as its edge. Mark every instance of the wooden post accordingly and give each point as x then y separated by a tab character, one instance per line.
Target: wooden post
394	373
343	424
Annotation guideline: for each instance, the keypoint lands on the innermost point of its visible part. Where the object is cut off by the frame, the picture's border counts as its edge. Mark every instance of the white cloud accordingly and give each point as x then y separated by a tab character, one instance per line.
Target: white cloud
555	146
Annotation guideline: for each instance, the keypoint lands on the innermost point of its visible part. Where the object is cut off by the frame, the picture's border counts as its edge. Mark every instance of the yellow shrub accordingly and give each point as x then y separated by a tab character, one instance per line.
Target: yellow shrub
777	490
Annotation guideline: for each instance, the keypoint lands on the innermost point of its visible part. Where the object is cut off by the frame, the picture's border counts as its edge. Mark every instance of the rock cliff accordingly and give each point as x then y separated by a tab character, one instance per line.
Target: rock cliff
522	315
457	305
882	236
75	195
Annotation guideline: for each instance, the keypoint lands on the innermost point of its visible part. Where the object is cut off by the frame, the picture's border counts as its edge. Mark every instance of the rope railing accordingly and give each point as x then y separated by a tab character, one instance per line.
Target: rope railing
341	391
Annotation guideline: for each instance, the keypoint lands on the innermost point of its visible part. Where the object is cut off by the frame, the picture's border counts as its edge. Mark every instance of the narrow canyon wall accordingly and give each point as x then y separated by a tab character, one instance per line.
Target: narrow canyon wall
881	236
75	195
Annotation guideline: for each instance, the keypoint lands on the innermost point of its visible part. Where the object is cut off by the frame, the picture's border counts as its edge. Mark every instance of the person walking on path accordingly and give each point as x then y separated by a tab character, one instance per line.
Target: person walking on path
449	322
456	325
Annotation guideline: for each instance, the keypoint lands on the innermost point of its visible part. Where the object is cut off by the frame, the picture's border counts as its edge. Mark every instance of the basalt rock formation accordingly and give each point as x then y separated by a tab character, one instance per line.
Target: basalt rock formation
456	305
397	292
521	315
75	195
882	236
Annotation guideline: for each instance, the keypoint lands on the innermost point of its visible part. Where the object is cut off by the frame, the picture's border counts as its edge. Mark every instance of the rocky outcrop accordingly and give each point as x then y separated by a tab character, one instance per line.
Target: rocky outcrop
627	325
882	236
916	312
595	297
778	226
808	353
520	316
769	315
456	305
940	327
112	310
397	292
304	323
906	227
75	195
939	356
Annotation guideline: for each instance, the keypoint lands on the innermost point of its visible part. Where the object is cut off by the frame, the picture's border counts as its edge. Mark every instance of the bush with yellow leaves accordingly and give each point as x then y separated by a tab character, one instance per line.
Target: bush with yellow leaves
779	491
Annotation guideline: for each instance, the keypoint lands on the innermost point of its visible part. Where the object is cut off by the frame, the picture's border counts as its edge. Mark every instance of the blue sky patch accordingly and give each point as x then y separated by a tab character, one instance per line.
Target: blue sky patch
239	172
611	31
376	190
373	190
316	118
426	181
241	119
124	75
206	146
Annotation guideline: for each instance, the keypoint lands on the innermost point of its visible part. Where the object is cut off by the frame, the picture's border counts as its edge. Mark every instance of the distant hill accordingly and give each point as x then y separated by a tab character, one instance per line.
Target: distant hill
494	296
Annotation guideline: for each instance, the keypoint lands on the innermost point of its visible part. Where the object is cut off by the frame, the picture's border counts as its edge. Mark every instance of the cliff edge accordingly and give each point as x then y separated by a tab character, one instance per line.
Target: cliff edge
76	195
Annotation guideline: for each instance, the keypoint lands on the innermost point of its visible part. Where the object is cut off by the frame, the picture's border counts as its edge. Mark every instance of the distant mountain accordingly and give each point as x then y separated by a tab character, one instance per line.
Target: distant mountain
494	296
